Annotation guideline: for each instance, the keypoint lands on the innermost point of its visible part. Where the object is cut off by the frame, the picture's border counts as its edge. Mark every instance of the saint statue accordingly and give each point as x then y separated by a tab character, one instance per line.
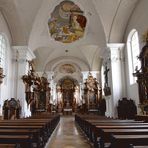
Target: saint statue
77	95
59	98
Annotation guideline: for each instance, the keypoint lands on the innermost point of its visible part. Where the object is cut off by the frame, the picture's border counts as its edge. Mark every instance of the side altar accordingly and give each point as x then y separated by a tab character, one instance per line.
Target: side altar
92	94
142	78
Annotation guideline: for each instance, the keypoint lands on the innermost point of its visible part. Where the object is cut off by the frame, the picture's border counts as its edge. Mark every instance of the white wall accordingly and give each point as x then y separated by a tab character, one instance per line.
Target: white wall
139	22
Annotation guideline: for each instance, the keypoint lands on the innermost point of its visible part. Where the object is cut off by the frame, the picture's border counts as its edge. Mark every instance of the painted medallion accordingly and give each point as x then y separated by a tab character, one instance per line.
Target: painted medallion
67	23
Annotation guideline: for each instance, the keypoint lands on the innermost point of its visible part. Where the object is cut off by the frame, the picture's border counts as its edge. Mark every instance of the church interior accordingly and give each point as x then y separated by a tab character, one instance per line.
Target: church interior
73	73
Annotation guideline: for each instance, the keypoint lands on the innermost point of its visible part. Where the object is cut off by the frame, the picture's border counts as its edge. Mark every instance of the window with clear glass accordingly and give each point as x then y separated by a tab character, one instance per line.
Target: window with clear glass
2	51
133	53
102	79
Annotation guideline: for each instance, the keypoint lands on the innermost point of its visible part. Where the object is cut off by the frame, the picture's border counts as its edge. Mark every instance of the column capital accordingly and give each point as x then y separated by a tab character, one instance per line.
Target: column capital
116	50
22	53
113	46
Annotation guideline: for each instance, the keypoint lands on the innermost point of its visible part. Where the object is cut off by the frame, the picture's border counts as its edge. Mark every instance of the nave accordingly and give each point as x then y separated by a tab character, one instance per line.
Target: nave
88	58
68	135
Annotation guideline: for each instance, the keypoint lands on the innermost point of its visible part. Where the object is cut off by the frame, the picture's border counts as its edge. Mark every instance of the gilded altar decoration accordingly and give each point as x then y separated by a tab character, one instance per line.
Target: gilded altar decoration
92	93
1	75
142	76
67	23
28	80
67	68
37	90
67	95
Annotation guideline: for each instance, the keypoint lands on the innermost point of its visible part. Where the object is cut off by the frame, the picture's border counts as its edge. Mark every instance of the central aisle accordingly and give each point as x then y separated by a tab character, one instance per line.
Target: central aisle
67	135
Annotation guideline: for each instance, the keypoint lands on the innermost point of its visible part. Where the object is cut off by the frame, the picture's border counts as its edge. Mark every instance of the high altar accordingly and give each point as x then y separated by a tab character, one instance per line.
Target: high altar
68	95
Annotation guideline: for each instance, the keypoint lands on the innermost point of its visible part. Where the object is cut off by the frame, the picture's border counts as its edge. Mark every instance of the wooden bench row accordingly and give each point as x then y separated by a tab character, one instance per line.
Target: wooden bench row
114	133
27	133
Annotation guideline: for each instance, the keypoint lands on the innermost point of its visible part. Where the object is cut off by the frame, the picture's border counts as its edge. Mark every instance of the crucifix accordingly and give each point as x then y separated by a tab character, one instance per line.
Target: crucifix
106	76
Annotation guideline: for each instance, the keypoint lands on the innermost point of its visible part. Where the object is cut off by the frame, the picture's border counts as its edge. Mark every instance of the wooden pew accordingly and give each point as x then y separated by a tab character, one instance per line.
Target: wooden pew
131	146
124	141
23	140
8	145
96	133
36	131
92	127
106	134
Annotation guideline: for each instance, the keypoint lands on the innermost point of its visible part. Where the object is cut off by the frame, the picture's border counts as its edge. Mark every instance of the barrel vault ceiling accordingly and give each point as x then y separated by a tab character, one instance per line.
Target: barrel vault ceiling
106	23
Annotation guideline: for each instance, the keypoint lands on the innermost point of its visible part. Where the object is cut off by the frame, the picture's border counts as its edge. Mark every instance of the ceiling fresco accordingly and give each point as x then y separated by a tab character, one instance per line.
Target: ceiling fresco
67	23
67	68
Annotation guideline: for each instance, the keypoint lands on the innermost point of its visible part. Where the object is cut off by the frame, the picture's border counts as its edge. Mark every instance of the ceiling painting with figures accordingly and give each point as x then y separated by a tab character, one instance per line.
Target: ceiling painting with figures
67	23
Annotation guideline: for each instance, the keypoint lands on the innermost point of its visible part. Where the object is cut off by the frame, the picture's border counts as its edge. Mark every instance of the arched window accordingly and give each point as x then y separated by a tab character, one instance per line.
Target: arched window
3	46
102	79
133	53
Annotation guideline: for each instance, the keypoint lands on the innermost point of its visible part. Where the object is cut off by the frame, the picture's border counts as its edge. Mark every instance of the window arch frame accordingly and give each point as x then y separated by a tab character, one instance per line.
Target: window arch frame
3	52
133	51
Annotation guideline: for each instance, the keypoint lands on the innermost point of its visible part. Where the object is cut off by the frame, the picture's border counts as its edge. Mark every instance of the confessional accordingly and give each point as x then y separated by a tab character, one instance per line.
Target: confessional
11	109
126	109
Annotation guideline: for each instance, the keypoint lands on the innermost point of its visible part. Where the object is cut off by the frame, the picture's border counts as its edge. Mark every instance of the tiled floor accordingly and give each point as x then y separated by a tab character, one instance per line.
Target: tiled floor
68	135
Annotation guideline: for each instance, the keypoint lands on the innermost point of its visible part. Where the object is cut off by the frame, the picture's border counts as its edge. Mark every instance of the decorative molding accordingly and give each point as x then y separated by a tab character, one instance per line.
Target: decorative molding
116	51
22	53
112	46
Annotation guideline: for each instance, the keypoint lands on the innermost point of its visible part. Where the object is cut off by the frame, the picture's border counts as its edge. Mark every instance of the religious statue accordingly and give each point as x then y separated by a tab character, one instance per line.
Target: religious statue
106	76
107	90
77	95
59	99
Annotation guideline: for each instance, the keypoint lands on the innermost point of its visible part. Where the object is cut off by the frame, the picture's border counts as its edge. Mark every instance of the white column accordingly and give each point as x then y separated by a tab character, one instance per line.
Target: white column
23	54
116	75
105	54
52	86
81	92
